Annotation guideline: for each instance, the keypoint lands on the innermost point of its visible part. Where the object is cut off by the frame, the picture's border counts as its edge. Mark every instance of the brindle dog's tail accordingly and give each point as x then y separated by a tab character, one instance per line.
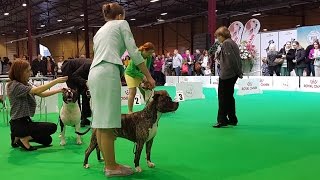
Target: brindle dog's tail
83	133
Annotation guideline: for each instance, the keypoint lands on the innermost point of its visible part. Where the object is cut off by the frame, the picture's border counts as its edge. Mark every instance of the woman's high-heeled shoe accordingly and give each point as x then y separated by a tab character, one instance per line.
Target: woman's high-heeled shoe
31	148
13	144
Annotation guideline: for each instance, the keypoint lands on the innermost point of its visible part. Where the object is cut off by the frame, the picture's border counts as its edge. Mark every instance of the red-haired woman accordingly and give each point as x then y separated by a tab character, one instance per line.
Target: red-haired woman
134	76
23	105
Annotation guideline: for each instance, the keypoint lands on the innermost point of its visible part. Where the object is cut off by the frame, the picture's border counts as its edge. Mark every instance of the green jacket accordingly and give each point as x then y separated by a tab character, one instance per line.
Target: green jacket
133	70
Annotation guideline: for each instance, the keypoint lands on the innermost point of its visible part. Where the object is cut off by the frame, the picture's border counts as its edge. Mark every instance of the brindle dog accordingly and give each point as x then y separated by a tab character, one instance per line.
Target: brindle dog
139	127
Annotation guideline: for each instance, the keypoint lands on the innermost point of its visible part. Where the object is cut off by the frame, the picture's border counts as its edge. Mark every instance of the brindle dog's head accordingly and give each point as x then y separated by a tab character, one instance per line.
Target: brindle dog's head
70	95
164	102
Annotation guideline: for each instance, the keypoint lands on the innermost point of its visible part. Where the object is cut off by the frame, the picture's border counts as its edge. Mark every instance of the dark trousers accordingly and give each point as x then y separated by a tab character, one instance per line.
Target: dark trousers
85	103
177	71
39	131
310	69
274	69
227	105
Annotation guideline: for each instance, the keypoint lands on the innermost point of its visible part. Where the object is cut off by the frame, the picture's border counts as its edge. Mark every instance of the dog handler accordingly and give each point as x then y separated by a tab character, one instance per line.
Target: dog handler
109	44
134	76
23	105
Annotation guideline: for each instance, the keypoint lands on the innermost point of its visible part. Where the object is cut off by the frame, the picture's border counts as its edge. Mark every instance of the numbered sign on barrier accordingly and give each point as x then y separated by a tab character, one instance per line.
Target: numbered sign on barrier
179	96
137	99
249	86
191	90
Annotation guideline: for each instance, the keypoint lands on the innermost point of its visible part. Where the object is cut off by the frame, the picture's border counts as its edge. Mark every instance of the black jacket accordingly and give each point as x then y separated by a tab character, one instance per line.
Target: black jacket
80	76
300	58
289	56
69	67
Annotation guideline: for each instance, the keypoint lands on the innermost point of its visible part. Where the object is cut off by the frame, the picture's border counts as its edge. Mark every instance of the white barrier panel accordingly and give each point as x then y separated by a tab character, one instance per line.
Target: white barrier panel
51	102
310	84
266	82
191	90
172	80
215	81
249	86
205	80
138	100
285	83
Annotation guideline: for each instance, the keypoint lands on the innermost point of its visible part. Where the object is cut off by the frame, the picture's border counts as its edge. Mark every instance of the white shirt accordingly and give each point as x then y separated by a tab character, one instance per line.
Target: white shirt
205	61
112	40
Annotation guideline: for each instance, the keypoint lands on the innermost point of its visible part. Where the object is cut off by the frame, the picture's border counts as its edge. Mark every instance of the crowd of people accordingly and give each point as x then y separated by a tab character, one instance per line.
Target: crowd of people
292	59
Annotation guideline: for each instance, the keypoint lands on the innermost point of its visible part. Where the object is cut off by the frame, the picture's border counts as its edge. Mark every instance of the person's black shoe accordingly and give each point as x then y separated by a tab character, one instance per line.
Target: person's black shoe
232	123
219	125
13	144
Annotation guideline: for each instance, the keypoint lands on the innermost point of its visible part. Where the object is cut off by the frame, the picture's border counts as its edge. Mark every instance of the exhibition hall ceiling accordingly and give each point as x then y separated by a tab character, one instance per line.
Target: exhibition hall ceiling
51	15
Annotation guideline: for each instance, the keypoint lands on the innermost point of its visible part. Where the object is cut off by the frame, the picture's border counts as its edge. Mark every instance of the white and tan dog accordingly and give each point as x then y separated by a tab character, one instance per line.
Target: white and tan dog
70	114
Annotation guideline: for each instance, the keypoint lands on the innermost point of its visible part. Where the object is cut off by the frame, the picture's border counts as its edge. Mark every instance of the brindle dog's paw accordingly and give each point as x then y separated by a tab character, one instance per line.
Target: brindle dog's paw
86	166
138	169
151	164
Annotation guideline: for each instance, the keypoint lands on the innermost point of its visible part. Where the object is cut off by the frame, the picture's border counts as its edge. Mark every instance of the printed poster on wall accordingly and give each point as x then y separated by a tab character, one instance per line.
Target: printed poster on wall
266	39
306	35
285	36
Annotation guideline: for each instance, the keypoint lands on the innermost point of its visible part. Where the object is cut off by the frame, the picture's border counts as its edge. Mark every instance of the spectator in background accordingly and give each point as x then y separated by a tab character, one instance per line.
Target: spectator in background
190	61
49	66
299	59
314	58
37	66
177	62
272	55
309	63
59	65
158	70
288	55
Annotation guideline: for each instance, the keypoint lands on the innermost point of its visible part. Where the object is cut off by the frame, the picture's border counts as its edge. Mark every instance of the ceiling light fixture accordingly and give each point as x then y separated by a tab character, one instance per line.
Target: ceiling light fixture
163	14
81	15
256	14
6	13
24	4
69	32
42	25
160	20
133	19
59	20
265	30
83	29
154	1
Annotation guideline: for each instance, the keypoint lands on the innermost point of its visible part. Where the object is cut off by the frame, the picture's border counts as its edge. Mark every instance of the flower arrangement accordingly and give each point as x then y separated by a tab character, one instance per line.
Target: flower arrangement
248	54
247	51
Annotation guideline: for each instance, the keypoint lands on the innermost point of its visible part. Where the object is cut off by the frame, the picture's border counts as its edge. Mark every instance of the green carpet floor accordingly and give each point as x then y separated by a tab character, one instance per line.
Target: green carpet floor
277	139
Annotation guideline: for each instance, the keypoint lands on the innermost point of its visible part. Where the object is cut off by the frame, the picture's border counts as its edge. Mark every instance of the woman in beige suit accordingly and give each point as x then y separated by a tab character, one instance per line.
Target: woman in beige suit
109	43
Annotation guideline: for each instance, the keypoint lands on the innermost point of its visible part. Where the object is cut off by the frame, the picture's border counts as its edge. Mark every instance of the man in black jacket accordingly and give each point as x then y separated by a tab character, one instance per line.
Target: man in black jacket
69	67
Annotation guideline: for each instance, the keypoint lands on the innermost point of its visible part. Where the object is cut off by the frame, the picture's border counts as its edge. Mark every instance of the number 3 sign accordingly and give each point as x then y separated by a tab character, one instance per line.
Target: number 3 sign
179	96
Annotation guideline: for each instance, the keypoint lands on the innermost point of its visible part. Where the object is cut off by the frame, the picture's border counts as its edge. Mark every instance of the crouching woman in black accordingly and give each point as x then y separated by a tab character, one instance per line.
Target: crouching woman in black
23	105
